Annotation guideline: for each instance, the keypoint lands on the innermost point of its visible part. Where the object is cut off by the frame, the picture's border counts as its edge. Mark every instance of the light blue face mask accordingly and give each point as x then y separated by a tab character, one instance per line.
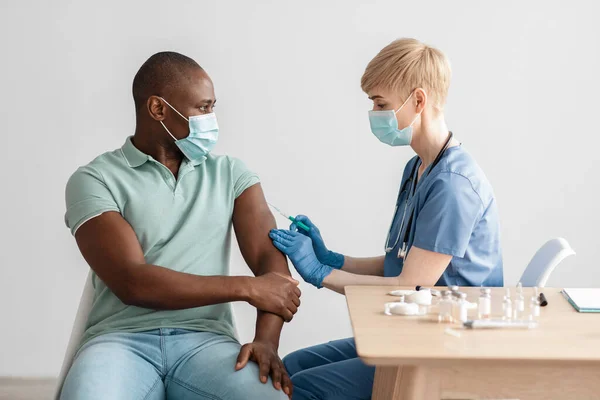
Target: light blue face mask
204	133
384	126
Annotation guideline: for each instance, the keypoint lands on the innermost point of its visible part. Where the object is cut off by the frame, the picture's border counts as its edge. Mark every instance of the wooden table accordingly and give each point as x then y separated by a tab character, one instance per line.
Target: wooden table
416	359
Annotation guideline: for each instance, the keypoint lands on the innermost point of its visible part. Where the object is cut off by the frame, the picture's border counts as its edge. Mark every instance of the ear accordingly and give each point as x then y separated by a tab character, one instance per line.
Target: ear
420	99
156	108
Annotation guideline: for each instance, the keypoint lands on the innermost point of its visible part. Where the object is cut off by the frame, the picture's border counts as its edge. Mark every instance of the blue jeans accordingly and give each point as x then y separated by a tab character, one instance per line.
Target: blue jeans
330	371
164	364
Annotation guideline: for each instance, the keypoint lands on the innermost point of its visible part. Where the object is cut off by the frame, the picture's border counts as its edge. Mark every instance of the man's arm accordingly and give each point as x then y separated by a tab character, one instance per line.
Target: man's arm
422	267
252	221
111	248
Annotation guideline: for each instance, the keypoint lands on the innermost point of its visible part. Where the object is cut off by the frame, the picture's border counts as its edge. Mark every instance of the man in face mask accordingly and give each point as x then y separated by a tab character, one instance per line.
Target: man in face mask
153	221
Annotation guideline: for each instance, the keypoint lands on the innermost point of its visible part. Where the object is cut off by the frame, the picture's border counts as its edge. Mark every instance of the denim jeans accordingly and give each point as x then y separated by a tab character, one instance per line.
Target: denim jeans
164	364
330	371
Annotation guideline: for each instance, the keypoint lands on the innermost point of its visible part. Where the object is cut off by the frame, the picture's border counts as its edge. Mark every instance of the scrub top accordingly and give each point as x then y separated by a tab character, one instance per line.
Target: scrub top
454	212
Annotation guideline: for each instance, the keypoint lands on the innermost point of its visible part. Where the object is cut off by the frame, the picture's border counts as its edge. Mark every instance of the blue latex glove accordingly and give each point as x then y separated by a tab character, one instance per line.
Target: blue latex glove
324	255
300	251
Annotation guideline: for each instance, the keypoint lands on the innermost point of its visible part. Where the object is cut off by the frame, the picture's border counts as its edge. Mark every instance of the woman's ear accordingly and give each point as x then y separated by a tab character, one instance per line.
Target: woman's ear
420	99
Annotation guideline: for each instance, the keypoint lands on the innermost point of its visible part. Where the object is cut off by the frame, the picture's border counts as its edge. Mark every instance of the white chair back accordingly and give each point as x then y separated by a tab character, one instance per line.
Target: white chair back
85	305
552	253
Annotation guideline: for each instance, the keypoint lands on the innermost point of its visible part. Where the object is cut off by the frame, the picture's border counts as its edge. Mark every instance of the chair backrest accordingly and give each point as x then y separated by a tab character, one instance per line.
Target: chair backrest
85	305
544	261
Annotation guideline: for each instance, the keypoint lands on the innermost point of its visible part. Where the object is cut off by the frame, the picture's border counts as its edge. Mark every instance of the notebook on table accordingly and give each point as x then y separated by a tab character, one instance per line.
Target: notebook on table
583	299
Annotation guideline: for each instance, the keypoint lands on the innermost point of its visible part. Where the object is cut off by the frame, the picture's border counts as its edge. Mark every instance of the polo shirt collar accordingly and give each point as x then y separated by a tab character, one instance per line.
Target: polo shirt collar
133	156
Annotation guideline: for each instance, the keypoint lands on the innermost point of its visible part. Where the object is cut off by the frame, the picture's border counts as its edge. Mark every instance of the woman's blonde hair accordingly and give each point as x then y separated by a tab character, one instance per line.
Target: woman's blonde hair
407	64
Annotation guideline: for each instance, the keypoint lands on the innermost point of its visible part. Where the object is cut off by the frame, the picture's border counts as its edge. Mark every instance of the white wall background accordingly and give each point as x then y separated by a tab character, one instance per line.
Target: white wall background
524	101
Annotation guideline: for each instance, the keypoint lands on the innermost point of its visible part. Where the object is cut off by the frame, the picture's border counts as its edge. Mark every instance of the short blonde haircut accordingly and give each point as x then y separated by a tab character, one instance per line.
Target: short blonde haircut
407	64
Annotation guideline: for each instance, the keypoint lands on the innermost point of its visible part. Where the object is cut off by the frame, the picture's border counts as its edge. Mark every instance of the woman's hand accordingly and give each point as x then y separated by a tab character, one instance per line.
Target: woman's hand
299	249
324	255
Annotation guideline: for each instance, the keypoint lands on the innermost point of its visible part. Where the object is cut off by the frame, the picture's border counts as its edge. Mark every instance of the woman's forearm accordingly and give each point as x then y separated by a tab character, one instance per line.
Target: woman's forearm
412	274
364	266
337	280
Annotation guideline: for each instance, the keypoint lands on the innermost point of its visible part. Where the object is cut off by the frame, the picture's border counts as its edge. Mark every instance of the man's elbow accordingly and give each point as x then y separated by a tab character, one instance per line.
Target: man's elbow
131	291
130	295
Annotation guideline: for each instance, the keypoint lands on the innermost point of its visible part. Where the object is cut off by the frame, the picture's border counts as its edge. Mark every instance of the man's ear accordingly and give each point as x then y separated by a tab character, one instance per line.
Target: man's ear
156	108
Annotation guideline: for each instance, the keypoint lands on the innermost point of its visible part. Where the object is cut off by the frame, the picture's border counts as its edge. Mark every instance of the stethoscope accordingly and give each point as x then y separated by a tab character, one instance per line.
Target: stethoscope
412	180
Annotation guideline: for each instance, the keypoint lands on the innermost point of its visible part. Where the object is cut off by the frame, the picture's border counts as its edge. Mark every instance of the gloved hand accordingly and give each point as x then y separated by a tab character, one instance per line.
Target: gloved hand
324	255
300	251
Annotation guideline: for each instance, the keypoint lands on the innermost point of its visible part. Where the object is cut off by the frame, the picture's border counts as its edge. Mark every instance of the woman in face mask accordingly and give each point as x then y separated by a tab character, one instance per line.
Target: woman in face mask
444	230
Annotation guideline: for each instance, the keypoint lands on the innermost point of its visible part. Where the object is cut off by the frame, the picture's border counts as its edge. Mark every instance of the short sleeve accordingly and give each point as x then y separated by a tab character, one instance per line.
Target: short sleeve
449	214
87	196
242	177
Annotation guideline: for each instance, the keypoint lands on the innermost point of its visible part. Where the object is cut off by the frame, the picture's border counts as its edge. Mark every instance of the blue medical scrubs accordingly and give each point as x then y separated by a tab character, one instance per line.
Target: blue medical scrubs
453	212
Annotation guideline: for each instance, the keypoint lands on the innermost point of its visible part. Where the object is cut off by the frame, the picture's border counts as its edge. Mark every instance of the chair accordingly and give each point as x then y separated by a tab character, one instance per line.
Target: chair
85	305
544	261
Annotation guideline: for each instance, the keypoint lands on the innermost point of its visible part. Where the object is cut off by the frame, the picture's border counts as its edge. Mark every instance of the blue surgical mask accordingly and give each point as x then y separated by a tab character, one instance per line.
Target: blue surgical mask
384	126
204	133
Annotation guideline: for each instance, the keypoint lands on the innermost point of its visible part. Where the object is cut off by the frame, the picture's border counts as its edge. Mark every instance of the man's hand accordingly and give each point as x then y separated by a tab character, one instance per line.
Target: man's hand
265	355
275	293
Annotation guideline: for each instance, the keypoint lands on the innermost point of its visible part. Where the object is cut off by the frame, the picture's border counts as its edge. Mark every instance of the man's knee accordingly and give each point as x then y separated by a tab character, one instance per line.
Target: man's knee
105	369
246	383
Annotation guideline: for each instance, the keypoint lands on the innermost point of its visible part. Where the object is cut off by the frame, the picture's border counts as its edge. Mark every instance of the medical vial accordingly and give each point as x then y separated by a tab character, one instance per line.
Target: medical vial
519	303
519	287
520	295
484	310
462	307
534	308
454	296
454	291
534	305
507	306
445	307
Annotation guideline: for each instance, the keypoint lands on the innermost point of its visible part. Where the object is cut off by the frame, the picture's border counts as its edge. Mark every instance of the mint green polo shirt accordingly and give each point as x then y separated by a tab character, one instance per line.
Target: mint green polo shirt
183	224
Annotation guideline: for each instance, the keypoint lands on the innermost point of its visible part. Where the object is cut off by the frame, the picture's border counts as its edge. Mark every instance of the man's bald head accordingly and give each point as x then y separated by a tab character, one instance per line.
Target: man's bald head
161	74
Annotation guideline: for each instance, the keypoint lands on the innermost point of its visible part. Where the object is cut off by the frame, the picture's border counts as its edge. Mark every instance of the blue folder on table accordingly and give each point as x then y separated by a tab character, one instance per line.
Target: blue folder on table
584	300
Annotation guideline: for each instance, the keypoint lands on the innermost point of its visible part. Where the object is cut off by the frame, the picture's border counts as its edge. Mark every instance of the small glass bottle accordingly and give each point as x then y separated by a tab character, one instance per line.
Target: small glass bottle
462	307
507	306
485	304
519	304
454	295
445	305
454	290
534	306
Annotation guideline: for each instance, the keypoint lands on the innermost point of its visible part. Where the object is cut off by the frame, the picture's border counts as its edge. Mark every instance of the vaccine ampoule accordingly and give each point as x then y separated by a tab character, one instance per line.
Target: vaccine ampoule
455	296
519	304
534	305
462	307
507	306
445	307
485	304
454	291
